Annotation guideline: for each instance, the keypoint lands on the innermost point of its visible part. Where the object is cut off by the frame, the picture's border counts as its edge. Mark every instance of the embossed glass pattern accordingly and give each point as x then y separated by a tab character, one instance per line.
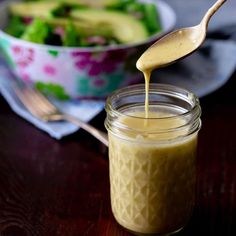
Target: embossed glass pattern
153	179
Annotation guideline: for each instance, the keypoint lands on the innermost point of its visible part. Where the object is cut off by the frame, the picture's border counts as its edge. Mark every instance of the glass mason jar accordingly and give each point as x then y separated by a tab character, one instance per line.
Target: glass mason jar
152	160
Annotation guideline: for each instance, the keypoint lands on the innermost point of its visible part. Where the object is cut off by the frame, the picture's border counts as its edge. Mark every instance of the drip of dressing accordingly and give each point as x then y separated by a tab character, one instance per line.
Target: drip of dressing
147	77
164	52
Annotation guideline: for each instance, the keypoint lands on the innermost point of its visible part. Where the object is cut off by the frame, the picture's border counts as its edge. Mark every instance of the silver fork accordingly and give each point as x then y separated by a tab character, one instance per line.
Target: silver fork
43	109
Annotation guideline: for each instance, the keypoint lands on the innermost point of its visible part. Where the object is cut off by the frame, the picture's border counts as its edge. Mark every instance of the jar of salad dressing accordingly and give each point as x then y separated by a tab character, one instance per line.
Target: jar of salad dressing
152	160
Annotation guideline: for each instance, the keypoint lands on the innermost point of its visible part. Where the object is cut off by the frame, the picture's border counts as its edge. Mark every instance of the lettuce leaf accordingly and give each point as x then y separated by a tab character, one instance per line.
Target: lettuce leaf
37	31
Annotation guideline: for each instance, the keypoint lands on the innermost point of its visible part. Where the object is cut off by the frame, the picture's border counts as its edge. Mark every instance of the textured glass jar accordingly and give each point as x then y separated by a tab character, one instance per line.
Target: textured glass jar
152	168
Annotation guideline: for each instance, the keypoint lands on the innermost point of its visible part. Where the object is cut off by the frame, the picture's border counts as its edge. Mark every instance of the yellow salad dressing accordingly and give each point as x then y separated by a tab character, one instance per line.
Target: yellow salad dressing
152	175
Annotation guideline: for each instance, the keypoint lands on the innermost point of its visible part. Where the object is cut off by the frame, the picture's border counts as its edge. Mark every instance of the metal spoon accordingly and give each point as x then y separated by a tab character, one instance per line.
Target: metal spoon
177	44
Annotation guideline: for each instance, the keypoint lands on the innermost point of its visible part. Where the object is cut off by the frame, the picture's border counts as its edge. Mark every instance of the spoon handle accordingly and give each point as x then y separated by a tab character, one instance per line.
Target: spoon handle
212	11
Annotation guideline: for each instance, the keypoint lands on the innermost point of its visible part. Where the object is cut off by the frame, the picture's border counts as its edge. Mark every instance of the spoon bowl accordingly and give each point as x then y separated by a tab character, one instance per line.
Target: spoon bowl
177	44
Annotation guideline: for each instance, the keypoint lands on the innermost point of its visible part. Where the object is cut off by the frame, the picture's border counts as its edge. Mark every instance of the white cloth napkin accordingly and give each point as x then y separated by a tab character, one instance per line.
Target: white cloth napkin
84	110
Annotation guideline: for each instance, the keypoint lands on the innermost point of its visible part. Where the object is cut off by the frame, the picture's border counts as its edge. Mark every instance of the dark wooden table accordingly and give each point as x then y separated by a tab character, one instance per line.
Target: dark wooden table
51	188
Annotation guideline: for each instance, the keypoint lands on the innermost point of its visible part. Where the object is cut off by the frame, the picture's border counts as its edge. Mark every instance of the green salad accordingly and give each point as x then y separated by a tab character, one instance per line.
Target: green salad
83	23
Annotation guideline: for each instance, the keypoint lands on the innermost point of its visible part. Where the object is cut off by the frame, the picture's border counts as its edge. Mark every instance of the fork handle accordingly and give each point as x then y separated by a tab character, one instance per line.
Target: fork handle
101	136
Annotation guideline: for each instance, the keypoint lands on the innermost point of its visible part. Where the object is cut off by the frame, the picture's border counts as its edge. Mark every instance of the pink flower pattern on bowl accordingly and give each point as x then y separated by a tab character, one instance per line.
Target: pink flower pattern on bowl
50	70
76	73
98	63
23	57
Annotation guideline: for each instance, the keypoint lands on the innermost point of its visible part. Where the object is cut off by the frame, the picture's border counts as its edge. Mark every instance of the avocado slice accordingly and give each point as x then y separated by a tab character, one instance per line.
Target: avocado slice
90	3
33	9
83	28
125	28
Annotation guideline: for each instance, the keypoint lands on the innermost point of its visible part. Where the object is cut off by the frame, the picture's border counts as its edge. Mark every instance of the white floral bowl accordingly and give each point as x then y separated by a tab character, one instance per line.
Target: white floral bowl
77	72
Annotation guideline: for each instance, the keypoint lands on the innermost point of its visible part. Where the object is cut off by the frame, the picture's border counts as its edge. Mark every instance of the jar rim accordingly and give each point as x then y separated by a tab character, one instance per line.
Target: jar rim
119	101
154	87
